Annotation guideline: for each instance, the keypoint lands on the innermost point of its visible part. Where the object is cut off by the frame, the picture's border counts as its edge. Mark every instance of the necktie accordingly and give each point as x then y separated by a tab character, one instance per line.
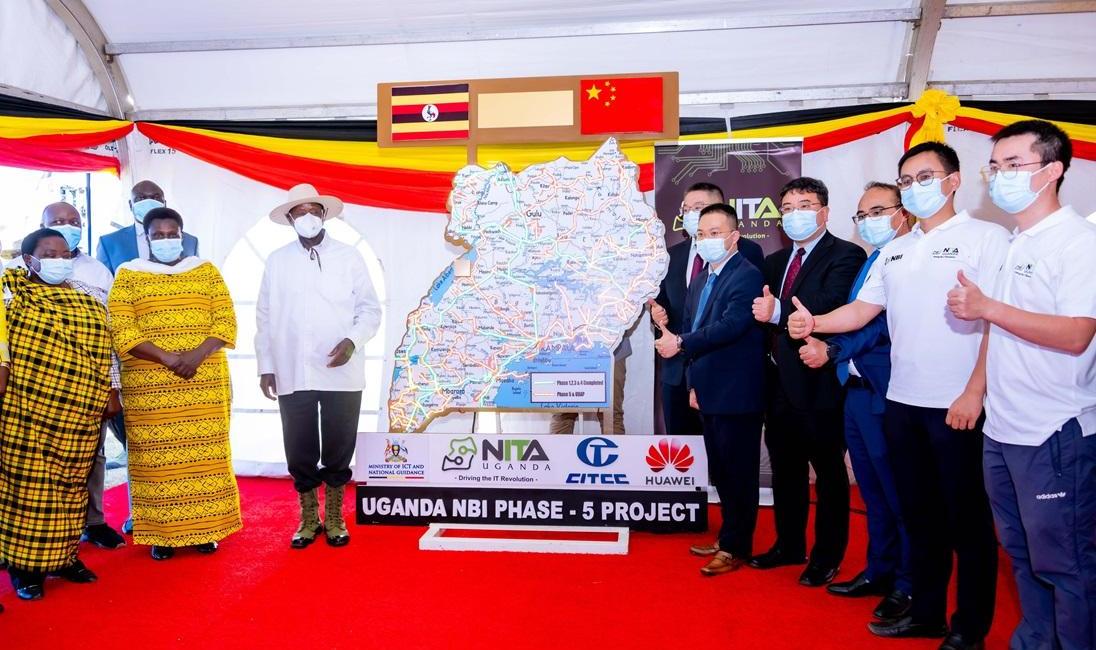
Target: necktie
793	270
705	293
698	266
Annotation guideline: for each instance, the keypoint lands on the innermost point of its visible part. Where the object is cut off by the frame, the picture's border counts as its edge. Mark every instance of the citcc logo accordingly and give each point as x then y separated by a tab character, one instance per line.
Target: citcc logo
669	452
594	452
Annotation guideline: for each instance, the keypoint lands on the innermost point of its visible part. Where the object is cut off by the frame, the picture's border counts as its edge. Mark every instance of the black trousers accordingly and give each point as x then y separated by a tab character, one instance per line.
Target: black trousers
734	463
319	429
798	439
681	419
938	475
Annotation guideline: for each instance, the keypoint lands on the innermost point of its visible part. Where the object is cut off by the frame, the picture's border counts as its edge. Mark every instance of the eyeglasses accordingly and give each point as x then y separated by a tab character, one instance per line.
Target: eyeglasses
923	179
1008	171
805	205
877	211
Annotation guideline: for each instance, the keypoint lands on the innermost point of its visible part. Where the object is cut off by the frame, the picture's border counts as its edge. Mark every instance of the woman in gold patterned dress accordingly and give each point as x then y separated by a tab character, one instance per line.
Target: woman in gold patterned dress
171	317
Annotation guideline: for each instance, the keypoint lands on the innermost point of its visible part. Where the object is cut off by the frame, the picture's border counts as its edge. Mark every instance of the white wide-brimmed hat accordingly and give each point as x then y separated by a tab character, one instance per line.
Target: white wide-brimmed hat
305	193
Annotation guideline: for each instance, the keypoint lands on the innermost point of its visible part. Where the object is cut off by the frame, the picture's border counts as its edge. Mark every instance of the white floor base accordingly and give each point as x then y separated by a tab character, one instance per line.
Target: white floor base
435	540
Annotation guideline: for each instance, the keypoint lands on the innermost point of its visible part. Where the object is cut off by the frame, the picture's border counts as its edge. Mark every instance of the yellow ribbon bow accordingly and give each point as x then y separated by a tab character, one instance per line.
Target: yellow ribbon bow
938	108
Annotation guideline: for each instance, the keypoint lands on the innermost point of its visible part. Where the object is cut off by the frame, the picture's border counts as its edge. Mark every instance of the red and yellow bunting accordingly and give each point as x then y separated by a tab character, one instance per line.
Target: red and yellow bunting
419	179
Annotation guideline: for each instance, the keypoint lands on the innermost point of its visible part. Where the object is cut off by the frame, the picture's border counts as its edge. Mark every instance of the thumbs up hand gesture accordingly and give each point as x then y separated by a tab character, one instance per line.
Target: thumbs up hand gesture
764	306
814	353
801	322
966	300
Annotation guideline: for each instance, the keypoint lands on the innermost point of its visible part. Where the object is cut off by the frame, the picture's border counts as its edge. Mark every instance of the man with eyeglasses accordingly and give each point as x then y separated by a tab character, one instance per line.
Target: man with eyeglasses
862	362
804	424
723	351
316	310
668	309
1040	444
934	400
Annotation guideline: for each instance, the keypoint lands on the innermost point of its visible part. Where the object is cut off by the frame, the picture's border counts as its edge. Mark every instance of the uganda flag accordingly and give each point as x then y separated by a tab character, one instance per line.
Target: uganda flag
430	112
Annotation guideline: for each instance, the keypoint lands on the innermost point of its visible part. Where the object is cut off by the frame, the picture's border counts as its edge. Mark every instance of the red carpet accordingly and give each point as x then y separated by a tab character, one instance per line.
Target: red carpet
382	592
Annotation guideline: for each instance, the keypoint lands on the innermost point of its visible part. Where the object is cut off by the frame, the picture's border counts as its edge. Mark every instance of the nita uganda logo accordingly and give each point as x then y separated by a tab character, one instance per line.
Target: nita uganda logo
670	452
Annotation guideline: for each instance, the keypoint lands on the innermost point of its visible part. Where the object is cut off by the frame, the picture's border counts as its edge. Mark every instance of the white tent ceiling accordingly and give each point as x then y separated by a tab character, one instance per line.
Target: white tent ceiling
285	58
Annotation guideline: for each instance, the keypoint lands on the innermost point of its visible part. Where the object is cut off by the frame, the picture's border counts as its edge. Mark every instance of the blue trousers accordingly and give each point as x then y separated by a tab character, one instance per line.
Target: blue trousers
888	543
1044	504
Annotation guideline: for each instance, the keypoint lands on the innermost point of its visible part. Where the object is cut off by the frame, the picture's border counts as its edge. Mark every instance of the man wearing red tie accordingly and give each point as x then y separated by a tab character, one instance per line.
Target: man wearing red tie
805	420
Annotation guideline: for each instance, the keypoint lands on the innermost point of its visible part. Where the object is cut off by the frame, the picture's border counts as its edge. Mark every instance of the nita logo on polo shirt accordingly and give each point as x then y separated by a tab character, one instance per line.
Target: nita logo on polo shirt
946	253
1024	270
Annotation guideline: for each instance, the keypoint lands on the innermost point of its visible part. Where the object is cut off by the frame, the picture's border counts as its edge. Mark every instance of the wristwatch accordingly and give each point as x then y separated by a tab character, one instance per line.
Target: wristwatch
833	350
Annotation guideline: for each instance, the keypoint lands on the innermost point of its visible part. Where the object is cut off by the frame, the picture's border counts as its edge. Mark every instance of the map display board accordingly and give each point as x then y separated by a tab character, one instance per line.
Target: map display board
562	257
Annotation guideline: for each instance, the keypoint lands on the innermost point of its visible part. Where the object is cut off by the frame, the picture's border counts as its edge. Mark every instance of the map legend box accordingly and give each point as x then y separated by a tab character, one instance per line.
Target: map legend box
580	387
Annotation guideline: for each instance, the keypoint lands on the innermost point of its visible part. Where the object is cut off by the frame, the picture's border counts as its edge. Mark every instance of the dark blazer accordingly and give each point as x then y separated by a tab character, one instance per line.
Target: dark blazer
869	348
120	246
672	294
726	352
822	285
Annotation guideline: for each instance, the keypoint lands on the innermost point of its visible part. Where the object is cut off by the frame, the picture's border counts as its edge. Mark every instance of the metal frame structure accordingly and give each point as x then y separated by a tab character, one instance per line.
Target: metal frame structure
924	23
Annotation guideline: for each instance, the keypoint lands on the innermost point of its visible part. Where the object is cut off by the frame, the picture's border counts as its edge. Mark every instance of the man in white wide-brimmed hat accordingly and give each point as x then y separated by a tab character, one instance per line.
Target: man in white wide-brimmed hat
316	310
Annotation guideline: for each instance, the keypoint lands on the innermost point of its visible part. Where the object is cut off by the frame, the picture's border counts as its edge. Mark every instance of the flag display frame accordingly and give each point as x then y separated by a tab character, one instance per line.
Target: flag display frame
542	129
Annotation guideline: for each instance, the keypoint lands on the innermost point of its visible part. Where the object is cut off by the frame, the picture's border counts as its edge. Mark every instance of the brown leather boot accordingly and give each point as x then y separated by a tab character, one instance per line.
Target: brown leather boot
337	534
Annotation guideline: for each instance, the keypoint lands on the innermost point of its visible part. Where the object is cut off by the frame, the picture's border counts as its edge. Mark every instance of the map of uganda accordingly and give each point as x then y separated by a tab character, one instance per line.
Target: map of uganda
562	257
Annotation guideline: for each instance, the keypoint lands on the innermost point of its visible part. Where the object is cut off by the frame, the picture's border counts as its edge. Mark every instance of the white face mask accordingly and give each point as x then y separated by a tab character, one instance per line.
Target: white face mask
308	225
690	221
1014	195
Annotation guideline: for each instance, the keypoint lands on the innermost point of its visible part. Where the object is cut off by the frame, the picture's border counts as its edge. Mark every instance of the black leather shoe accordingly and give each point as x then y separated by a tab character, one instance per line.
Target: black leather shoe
906	627
956	641
103	536
162	552
29	587
816	576
776	557
207	548
858	587
76	572
894	605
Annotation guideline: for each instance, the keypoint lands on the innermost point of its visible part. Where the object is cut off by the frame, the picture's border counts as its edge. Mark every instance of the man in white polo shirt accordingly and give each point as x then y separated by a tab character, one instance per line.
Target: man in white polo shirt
934	401
1040	451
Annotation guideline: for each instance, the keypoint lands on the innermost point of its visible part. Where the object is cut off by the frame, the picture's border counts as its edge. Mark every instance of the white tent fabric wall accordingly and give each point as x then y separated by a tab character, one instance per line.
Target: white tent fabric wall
37	53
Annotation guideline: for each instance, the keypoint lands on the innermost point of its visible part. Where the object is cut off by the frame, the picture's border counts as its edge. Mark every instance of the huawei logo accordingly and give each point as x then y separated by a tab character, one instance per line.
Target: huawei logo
669	452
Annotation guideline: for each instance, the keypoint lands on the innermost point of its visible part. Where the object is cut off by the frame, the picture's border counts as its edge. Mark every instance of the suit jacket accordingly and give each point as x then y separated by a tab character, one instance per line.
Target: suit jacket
726	352
120	246
867	347
822	285
672	294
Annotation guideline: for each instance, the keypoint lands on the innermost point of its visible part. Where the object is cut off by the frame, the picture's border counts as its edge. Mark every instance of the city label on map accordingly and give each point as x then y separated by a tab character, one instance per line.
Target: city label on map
562	257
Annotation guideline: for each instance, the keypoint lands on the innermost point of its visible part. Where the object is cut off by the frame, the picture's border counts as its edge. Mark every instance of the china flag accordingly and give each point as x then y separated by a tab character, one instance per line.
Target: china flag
624	105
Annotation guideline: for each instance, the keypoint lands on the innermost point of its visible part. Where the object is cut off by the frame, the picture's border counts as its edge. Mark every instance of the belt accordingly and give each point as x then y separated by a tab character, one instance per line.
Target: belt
857	382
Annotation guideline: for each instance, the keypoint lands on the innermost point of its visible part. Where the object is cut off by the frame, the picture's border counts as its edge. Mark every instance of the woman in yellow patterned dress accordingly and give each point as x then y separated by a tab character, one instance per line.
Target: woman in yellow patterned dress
171	317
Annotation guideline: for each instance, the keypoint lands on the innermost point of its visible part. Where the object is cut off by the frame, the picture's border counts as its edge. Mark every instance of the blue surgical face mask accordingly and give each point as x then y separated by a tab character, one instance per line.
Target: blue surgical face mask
1014	195
800	224
690	221
711	250
72	234
877	231
54	270
166	250
924	201
143	207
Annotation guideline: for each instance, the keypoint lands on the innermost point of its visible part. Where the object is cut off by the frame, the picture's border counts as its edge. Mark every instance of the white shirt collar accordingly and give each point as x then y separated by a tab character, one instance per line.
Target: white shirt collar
1053	219
809	246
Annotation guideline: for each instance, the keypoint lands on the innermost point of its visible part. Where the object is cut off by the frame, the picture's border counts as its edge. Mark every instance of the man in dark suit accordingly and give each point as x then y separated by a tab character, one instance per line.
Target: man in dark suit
685	265
861	359
723	349
128	243
805	423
